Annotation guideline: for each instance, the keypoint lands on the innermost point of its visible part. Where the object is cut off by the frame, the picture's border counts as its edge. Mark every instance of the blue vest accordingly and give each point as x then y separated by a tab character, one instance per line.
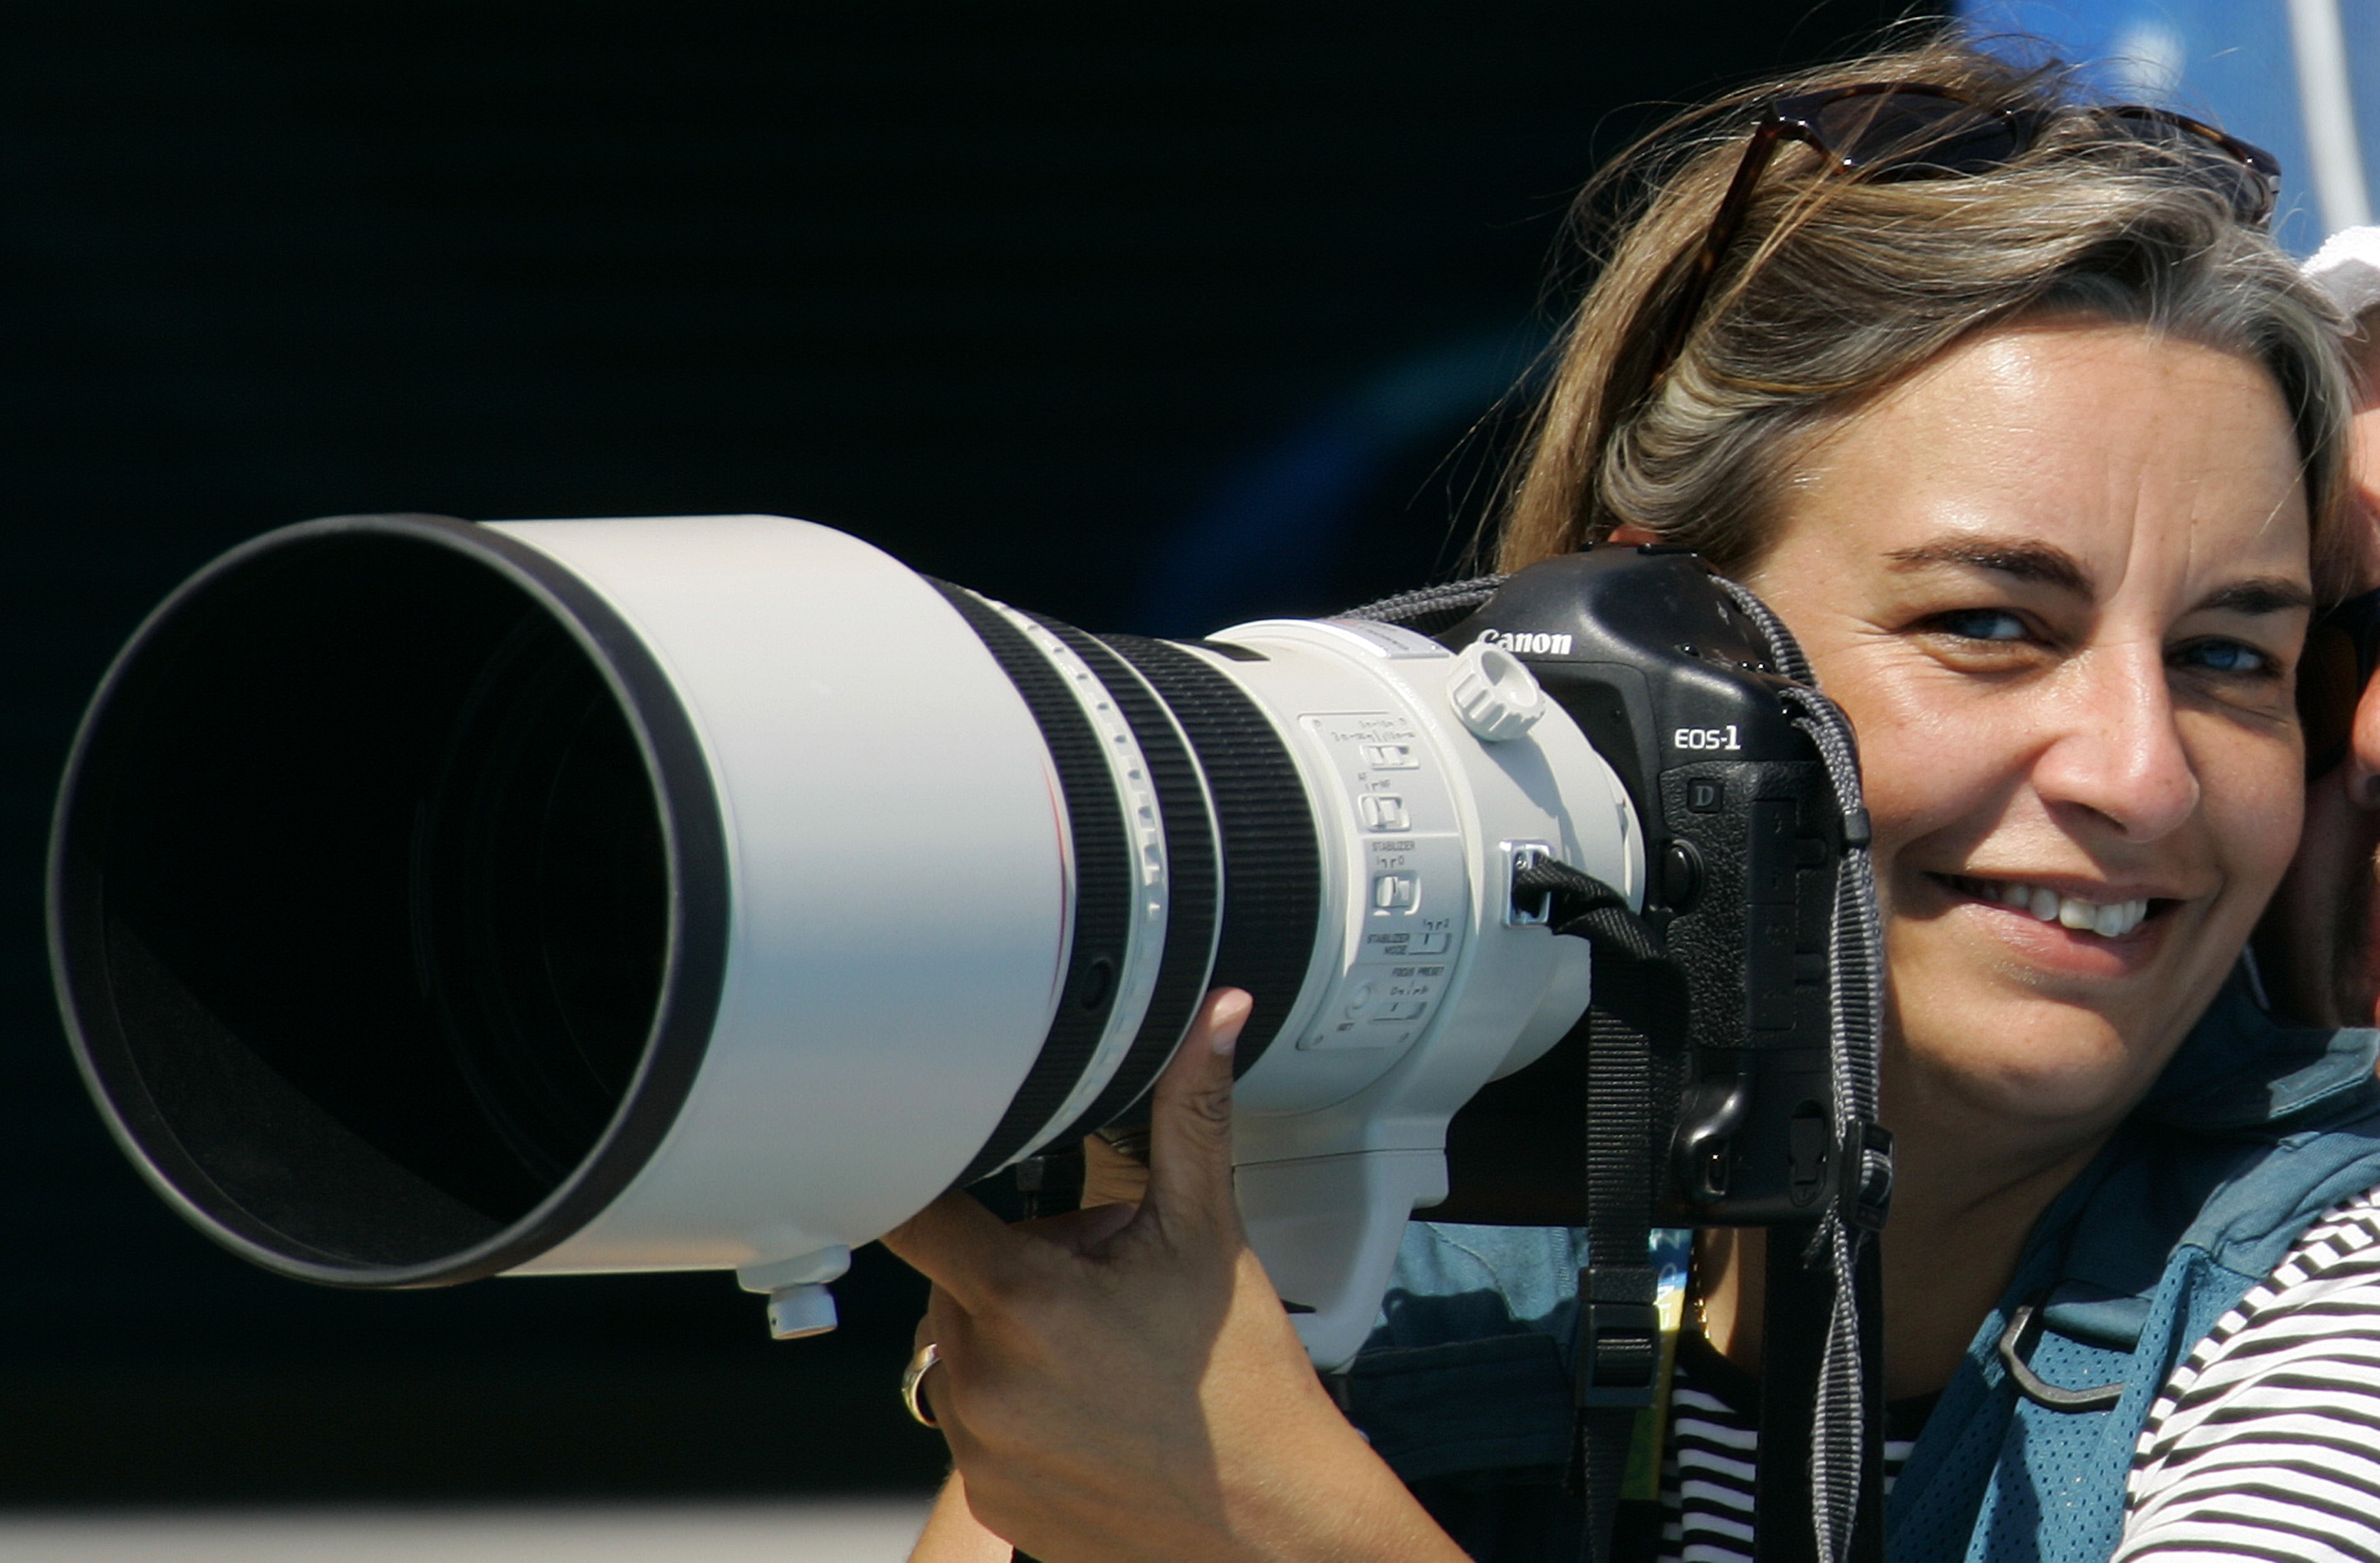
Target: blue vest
2252	1130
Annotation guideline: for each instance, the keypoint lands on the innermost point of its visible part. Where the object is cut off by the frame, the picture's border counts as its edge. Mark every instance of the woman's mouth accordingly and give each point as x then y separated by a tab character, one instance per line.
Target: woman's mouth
2107	919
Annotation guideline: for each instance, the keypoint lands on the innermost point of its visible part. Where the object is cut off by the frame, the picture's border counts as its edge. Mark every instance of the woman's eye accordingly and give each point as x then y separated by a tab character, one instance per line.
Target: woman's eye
1981	623
2231	658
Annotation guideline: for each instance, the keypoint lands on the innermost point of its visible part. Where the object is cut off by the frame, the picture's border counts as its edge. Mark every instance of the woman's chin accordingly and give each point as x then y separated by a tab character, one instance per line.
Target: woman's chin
2058	1082
2074	1085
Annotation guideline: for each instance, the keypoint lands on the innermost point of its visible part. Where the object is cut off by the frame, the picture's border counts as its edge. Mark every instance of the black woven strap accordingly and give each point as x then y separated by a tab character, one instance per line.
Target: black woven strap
1638	1009
1599	1455
1431	608
1576	902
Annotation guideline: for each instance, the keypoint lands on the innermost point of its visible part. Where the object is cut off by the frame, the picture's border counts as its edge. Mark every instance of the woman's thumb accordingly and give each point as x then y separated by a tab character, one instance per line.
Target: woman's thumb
1190	1120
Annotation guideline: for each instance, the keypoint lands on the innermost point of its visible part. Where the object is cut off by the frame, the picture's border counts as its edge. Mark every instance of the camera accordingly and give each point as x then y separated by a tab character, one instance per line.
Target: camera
434	900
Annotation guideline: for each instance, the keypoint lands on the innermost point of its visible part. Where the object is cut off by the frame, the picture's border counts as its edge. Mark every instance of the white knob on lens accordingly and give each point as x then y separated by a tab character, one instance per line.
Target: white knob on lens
797	1311
1495	694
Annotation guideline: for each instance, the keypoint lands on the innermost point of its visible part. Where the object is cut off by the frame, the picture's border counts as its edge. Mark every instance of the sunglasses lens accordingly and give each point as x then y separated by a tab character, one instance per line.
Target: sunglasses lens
2248	176
1914	133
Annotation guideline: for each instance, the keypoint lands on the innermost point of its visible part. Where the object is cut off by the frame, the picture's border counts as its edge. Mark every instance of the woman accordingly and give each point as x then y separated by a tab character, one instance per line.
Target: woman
2013	413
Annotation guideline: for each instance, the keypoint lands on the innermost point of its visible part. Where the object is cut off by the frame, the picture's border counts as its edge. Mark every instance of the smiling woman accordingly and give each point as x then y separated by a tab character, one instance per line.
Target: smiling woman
2009	407
2070	679
2047	483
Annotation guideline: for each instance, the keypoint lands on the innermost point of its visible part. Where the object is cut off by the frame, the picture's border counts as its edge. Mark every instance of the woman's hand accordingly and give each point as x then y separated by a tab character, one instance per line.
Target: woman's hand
1121	1383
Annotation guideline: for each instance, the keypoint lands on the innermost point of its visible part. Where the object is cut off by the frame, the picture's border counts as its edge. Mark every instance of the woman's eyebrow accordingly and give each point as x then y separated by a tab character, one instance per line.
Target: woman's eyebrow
2264	594
2046	564
2022	557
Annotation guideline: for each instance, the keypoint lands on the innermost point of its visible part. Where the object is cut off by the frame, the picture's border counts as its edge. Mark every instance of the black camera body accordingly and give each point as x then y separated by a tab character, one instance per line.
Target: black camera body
1681	691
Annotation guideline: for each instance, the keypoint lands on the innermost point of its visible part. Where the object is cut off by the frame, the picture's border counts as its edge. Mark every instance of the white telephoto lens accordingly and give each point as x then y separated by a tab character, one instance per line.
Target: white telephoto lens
431	901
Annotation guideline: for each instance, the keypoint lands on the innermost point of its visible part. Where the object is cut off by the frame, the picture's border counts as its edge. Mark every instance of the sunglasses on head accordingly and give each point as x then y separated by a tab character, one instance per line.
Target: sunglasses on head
2341	650
1914	131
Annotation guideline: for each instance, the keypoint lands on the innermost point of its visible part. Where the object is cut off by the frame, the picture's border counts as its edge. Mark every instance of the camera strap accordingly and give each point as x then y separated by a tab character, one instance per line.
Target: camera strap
1825	1334
1635	1035
1635	1042
1823	1303
1828	1305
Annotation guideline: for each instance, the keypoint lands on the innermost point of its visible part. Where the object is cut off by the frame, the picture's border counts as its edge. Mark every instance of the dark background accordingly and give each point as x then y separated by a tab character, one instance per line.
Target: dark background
1152	316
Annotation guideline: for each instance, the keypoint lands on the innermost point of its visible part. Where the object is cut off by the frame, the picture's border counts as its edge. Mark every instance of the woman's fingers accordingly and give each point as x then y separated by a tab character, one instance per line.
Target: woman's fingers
1082	1231
1123	1383
1190	1121
964	1249
1004	1293
958	1246
939	1327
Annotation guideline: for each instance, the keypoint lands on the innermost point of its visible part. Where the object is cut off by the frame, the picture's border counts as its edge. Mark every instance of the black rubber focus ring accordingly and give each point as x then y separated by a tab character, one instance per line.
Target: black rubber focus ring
1104	894
1272	862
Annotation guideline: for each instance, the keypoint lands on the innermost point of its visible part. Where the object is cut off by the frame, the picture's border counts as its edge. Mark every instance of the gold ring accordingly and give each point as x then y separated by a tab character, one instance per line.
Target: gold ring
915	1374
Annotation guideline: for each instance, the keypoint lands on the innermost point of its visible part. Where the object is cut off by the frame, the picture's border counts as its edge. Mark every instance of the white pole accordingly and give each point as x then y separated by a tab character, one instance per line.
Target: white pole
2328	104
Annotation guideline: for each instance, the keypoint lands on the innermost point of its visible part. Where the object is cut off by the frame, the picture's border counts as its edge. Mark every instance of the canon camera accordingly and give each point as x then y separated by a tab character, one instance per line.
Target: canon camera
431	901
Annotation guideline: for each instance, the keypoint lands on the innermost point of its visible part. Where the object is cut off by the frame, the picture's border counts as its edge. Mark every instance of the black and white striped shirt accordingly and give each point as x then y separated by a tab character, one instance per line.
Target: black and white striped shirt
1714	1439
2266	1441
2265	1444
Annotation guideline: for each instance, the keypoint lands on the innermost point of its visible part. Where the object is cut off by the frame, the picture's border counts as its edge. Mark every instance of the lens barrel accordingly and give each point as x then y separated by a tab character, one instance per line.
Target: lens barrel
393	896
431	900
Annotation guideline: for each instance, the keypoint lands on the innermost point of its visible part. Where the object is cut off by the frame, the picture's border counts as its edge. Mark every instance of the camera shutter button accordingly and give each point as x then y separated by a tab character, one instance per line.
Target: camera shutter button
1494	692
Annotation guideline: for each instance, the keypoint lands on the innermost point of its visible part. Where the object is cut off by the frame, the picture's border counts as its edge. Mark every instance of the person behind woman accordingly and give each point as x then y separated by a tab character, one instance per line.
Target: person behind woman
2320	942
2012	411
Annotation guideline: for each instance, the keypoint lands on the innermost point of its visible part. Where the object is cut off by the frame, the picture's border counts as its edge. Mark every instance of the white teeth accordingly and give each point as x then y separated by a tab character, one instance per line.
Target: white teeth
2112	920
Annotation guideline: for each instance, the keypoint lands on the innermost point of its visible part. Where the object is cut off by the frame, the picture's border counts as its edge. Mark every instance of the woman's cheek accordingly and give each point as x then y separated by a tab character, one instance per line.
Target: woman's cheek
1928	759
2253	791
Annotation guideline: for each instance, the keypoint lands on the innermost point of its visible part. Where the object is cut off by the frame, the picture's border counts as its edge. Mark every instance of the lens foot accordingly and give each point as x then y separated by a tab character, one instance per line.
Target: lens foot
796	1311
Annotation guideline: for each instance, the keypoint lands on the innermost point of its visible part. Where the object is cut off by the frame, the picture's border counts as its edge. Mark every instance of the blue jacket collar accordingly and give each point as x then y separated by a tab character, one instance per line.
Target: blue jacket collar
2241	1069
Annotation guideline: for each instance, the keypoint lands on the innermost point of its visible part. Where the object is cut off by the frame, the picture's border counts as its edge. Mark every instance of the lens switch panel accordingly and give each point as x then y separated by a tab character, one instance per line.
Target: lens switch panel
1412	898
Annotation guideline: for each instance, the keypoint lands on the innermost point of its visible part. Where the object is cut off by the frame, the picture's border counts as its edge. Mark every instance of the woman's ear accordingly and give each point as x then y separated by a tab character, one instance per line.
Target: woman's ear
1633	536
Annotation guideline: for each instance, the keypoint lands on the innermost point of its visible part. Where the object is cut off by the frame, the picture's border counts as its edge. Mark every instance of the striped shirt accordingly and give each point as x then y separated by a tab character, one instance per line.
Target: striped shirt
2265	1444
2266	1441
1714	1439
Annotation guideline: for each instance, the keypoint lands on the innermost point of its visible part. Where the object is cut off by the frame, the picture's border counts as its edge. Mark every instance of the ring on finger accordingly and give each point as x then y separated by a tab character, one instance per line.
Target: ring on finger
913	1376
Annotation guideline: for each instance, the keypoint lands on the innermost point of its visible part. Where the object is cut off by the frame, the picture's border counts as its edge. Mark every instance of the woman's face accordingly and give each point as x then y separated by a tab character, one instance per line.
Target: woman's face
2058	579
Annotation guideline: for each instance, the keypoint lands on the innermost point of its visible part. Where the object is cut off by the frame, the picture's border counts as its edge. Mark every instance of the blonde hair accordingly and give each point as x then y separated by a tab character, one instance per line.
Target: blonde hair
1836	286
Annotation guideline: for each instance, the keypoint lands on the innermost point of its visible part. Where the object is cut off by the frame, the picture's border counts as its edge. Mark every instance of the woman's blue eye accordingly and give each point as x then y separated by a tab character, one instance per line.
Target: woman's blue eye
1982	623
2226	657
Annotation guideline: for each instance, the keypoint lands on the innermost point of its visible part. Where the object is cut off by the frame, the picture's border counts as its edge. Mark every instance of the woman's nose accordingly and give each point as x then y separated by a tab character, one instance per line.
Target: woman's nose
2119	750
